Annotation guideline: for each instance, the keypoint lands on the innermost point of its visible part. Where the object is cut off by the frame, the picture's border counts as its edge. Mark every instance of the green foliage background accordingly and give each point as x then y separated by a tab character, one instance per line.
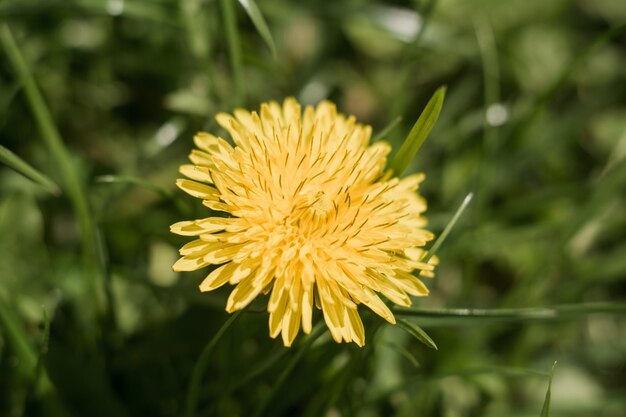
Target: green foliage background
534	124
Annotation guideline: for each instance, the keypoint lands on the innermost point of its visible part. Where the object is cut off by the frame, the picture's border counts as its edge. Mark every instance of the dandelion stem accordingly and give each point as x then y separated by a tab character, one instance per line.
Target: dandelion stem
266	364
201	364
317	332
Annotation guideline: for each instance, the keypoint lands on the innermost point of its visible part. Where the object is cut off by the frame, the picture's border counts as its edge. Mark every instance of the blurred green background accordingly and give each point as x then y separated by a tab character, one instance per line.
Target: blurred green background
93	322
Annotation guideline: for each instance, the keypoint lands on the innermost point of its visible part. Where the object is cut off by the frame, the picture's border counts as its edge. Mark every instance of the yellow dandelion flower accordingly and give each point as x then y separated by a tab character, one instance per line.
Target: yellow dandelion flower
313	219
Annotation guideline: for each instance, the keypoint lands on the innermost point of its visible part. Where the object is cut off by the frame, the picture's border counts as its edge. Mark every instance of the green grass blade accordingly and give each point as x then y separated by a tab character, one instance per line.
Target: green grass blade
545	410
125	179
380	135
21	166
411	57
404	353
491	96
418	134
343	378
467	372
234	49
417	332
255	15
71	182
31	365
201	364
462	316
197	36
282	378
43	350
261	367
18	340
446	231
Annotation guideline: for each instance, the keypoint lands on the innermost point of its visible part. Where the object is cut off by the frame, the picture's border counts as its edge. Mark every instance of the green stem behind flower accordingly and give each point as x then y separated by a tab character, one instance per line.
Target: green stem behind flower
202	363
317	332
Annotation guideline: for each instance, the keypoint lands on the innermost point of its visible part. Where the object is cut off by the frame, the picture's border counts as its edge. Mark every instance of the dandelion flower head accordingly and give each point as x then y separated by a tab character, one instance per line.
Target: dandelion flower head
309	215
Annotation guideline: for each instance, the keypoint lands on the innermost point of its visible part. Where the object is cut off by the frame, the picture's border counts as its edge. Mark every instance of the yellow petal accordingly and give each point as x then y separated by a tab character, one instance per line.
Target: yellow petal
195	246
217	277
377	306
187	228
247	290
196	189
291	326
196	172
276	316
356	326
307	310
189	263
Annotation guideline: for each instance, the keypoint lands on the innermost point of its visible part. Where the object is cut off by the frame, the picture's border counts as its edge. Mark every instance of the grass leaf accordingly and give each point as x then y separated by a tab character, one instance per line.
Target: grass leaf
70	176
31	365
545	410
380	135
404	352
43	350
262	366
422	378
202	363
234	49
126	179
417	332
446	231
458	316
17	339
282	378
253	11
418	134
13	161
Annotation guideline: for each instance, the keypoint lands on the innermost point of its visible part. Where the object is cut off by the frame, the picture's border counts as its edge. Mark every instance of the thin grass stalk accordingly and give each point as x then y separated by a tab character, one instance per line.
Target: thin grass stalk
265	365
545	410
295	359
558	312
31	364
18	164
72	184
491	95
229	18
446	231
421	378
201	365
399	104
392	125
